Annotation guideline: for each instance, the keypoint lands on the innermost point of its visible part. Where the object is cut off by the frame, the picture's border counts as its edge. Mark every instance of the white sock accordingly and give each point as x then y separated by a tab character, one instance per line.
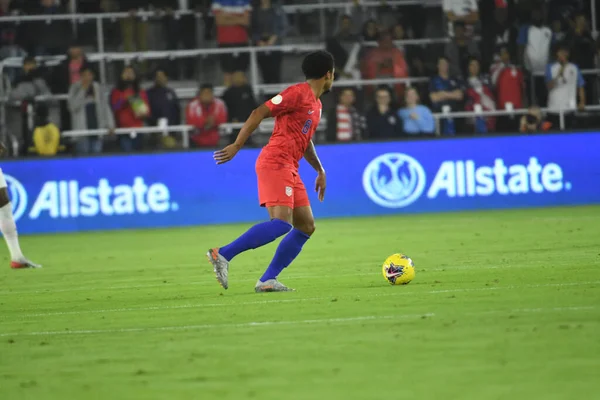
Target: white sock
9	230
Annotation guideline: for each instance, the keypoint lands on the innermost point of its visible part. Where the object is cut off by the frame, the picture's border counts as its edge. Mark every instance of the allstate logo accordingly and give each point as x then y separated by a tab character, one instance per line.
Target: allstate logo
18	196
394	180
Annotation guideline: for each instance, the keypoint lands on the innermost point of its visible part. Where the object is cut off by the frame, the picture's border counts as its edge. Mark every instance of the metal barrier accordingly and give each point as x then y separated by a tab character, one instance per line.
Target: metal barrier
267	126
288	8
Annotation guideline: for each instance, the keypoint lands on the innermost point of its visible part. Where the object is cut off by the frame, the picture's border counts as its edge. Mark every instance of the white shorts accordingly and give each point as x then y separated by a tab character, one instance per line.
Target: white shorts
3	183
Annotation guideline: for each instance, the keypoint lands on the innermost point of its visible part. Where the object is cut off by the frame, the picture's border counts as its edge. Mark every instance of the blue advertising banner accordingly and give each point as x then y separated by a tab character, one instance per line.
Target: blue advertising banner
176	189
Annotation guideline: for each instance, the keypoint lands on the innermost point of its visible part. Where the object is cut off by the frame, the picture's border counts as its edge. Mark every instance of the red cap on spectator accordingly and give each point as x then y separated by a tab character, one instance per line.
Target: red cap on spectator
501	4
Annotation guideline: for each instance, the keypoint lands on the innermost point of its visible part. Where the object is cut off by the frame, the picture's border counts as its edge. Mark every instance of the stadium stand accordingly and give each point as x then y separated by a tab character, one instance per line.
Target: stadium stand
396	44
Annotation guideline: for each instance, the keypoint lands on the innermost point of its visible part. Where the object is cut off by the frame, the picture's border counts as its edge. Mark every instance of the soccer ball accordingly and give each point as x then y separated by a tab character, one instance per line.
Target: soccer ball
398	269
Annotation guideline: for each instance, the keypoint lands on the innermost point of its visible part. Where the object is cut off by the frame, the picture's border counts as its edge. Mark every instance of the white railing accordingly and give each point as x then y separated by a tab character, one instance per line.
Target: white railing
224	129
189	93
267	126
104	57
288	9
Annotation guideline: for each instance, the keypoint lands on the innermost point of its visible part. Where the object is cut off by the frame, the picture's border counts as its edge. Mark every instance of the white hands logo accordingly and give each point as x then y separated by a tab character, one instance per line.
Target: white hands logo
18	196
394	180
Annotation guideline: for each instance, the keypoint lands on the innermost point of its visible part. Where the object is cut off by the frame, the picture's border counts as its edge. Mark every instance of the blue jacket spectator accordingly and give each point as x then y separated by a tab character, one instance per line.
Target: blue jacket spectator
416	118
382	120
163	101
269	24
164	105
445	92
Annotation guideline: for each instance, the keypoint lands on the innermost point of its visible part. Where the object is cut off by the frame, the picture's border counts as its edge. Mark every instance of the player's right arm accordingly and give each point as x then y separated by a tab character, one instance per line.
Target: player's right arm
281	104
253	121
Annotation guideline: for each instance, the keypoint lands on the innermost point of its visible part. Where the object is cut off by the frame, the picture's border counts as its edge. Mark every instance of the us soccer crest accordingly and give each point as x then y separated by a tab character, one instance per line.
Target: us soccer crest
288	191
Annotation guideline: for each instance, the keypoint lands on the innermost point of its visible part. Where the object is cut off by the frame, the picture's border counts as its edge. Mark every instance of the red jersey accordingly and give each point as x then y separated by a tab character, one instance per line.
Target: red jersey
509	82
232	34
297	114
196	114
121	102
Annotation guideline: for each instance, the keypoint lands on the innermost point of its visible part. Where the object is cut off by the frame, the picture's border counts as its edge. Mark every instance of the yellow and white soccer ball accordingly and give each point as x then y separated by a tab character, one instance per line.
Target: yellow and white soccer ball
398	269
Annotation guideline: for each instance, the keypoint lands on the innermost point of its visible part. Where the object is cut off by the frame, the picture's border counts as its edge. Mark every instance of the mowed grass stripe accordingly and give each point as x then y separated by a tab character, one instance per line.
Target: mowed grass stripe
20	317
329	321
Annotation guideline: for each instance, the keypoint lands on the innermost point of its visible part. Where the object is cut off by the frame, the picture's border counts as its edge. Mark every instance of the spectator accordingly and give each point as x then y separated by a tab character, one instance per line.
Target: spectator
233	19
501	33
345	48
446	95
46	37
239	98
354	15
64	76
464	11
344	122
414	56
559	33
565	8
417	119
134	29
533	121
411	53
534	42
564	81
181	30
370	32
386	15
583	49
509	83
130	106
460	50
163	101
89	111
479	93
27	87
206	113
268	28
164	107
382	120
10	45
386	61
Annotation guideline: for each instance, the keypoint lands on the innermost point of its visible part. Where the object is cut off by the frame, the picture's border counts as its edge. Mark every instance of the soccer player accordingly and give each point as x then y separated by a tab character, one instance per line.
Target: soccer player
9	228
297	112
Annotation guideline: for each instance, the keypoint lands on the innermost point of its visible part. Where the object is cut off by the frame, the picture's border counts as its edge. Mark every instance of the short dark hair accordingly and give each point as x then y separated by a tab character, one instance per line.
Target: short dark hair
385	88
317	64
442	57
206	86
563	46
86	67
160	69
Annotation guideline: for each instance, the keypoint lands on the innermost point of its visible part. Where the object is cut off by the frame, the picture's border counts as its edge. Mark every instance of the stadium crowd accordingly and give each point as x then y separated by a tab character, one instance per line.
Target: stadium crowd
500	55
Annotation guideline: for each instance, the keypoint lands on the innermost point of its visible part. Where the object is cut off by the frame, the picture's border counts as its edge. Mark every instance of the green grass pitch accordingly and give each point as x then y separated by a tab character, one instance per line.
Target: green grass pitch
505	305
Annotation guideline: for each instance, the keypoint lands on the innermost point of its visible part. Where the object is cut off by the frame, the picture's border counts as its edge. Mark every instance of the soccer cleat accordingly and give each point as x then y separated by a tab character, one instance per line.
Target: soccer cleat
271	285
220	266
24	264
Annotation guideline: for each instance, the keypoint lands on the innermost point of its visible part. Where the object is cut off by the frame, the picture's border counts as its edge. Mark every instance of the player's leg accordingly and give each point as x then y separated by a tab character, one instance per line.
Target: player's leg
262	233
9	229
292	243
272	191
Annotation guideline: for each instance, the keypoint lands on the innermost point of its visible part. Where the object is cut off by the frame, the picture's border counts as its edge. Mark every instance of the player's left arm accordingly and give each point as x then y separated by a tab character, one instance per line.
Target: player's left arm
311	156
